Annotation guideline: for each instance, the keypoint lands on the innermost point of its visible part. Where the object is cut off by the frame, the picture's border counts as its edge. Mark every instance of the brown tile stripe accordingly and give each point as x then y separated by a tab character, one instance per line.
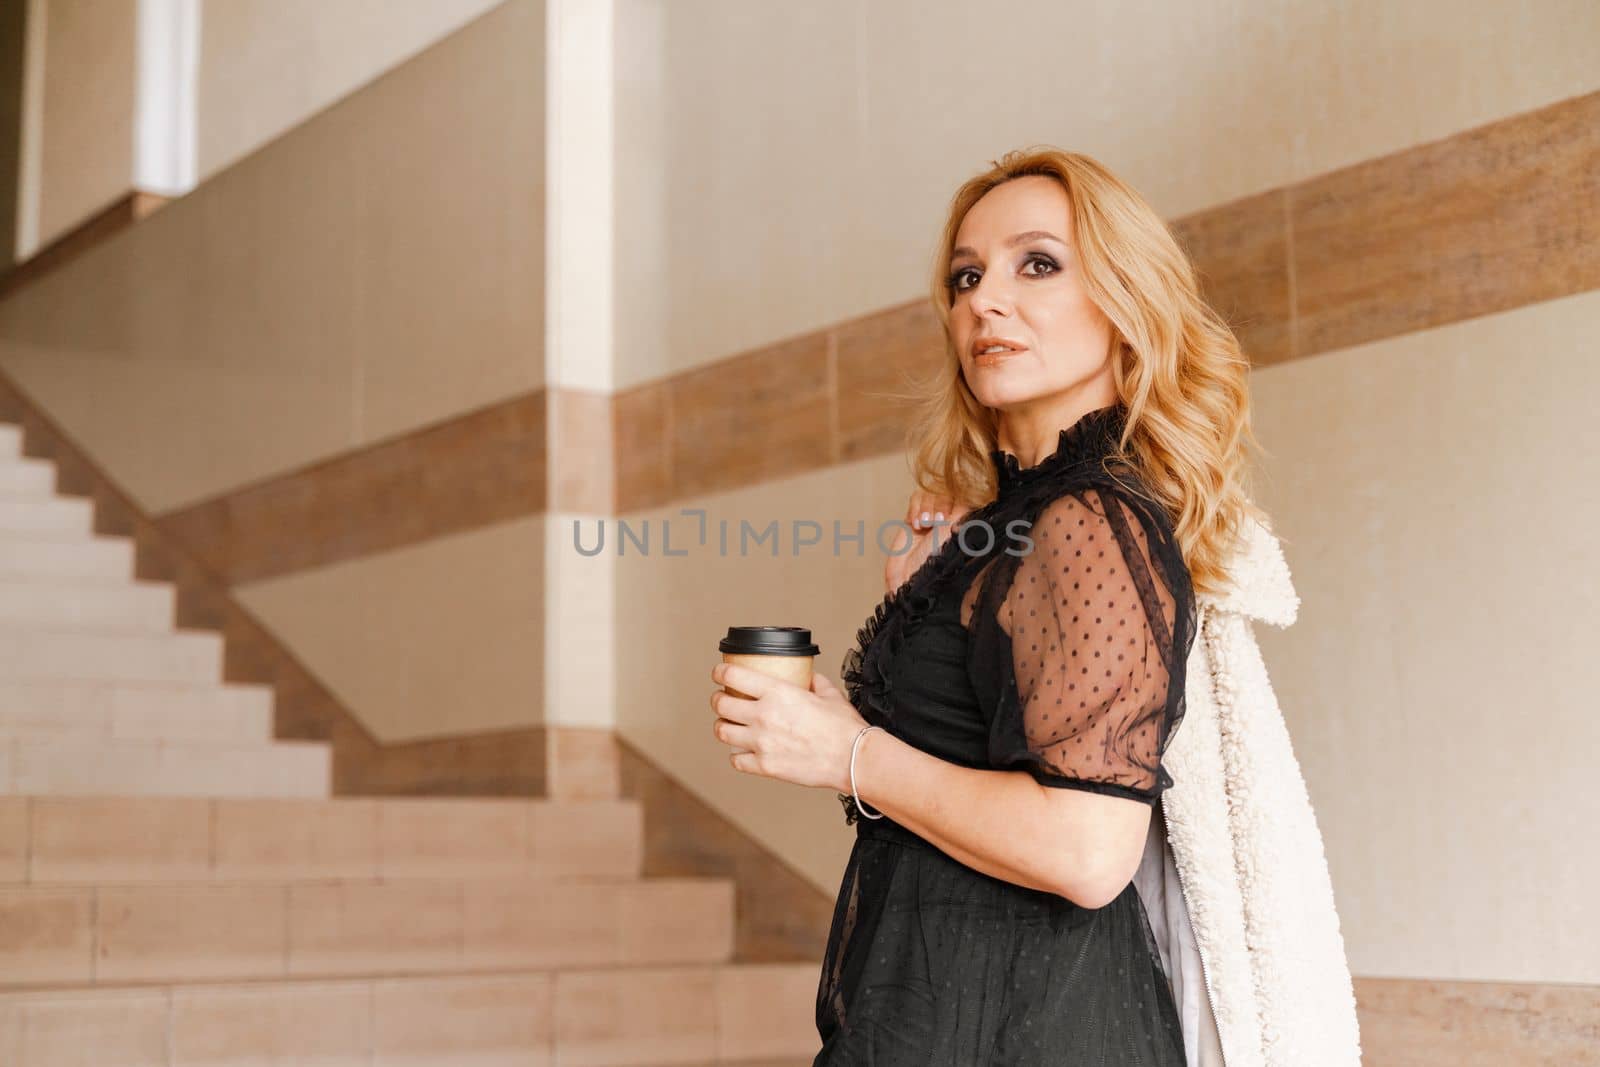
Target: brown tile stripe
1489	219
1493	218
465	472
752	418
1241	253
482	467
97	229
581	473
797	406
1409	1022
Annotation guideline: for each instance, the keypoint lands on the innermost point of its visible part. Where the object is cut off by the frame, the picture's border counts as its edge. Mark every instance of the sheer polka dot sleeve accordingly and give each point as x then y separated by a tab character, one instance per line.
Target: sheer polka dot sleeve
1078	646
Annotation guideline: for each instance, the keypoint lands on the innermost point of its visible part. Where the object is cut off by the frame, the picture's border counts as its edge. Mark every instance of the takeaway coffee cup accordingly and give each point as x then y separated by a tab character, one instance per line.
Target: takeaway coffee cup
782	651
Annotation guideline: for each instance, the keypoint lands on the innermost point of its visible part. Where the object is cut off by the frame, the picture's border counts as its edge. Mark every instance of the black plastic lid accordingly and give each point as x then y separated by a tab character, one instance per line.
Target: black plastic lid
768	641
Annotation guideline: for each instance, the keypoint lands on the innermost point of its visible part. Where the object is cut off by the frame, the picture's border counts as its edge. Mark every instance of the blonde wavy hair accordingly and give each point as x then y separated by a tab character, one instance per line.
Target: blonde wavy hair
1179	371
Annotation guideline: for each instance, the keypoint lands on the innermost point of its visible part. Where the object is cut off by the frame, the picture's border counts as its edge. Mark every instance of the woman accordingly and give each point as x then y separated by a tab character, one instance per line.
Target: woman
1001	745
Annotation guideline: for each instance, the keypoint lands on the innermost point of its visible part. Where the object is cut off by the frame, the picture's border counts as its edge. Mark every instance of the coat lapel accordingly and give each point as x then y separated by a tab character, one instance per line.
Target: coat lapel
1199	847
1261	588
1241	833
1202	929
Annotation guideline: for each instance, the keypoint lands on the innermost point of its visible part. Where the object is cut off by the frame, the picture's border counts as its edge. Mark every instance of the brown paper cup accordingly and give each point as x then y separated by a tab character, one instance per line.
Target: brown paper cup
796	669
782	651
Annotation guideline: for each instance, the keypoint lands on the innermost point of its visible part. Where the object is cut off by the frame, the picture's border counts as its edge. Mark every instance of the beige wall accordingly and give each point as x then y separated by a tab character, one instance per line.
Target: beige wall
82	159
783	167
374	271
1438	496
268	65
264	67
806	152
438	638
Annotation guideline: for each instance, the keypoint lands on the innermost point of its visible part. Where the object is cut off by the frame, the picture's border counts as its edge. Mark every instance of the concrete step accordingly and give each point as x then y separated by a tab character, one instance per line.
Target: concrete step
134	840
733	1015
25	475
92	558
40	516
100	935
229	713
192	656
49	766
61	604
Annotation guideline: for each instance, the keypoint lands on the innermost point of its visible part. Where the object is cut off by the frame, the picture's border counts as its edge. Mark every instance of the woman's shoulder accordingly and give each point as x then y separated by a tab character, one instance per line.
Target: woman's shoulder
1124	506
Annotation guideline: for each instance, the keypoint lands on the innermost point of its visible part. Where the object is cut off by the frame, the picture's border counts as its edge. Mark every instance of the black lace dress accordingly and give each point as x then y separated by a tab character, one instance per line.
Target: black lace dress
1055	648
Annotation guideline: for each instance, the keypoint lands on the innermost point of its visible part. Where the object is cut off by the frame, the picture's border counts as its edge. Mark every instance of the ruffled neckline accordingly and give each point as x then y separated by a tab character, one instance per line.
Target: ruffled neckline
1086	442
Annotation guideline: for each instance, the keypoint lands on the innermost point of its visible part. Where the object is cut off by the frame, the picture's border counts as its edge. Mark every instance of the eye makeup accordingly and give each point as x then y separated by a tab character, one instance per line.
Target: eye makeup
953	278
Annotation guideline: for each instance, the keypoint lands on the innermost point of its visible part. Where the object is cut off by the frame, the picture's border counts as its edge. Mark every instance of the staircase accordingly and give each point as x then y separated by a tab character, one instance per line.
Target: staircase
178	888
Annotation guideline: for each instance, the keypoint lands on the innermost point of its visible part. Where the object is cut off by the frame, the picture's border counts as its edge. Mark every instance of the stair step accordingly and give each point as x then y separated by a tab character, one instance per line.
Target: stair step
146	711
64	604
46	517
99	935
48	766
25	475
93	558
175	656
733	1015
130	840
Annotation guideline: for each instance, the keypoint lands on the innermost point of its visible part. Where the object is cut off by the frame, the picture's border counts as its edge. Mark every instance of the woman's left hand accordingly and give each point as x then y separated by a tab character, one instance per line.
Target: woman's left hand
786	732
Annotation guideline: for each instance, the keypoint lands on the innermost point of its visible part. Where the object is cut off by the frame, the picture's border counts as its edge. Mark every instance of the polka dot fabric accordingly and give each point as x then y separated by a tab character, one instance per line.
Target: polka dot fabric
1073	656
1061	655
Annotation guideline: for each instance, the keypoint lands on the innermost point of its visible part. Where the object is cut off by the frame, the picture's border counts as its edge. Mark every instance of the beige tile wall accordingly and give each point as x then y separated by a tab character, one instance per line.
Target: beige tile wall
267	65
437	638
262	68
374	271
812	194
83	158
1438	493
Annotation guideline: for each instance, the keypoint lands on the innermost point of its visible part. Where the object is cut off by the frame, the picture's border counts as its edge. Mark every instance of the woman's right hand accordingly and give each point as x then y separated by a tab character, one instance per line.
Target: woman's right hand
930	517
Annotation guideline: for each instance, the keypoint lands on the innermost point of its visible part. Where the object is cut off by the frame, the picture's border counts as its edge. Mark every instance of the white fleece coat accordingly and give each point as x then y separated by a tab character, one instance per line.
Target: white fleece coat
1234	878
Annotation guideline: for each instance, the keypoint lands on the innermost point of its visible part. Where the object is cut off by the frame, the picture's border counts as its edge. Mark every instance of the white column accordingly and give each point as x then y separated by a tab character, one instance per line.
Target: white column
579	208
164	153
580	597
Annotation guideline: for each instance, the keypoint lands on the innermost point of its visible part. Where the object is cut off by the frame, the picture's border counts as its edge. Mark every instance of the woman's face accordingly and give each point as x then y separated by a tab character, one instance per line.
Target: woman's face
1014	277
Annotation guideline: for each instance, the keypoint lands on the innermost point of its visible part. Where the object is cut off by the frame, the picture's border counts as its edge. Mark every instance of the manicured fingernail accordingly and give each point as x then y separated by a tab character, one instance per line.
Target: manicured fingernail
939	515
924	516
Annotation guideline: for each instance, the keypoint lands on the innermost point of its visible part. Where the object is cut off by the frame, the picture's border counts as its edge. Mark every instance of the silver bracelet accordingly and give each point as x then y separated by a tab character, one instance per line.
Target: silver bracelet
855	745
